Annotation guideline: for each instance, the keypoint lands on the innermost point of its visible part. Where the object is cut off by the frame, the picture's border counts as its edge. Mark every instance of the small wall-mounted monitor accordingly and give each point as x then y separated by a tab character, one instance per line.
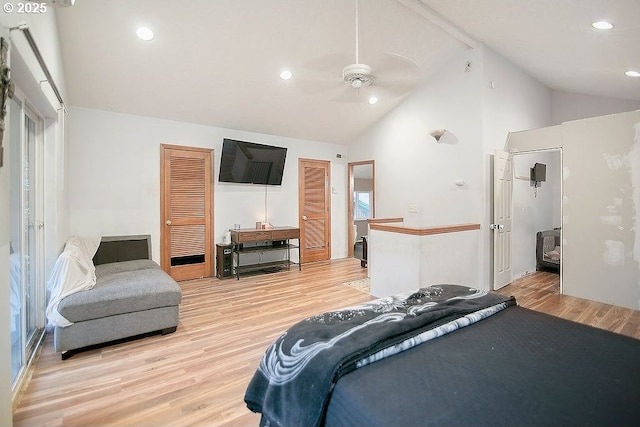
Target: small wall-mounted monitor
539	172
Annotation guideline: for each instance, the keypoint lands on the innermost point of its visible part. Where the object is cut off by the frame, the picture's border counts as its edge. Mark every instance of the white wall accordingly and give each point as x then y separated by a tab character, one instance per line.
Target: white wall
566	106
601	239
512	100
534	208
44	31
481	106
400	262
114	177
601	201
412	169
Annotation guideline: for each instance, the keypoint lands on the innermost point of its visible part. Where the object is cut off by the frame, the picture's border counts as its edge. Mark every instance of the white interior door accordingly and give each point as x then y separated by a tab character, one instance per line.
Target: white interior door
502	218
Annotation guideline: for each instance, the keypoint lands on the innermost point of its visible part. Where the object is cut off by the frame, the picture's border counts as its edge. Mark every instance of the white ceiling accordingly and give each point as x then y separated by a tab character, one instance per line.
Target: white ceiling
217	62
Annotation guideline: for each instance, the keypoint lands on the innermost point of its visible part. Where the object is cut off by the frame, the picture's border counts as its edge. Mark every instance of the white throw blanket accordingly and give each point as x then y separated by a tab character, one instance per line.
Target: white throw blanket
74	271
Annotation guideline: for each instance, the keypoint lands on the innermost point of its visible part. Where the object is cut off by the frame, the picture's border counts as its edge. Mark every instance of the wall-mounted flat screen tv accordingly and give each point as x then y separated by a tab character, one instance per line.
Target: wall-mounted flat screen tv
251	163
539	172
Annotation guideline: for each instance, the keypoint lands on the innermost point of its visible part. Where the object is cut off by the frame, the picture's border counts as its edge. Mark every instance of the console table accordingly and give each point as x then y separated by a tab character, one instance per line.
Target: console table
256	240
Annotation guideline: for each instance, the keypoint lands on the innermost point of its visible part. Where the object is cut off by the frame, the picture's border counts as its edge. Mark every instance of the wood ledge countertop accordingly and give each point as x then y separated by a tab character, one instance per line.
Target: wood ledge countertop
381	220
424	231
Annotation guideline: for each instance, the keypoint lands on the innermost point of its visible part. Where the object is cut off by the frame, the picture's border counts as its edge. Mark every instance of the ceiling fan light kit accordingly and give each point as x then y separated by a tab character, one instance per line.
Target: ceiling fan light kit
358	75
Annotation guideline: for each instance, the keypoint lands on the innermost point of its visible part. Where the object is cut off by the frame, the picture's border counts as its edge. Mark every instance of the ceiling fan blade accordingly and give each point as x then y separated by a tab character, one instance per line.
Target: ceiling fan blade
395	64
317	85
322	74
395	74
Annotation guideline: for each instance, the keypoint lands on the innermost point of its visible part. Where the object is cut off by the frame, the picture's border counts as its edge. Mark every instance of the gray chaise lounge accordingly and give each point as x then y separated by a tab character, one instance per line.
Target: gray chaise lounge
132	296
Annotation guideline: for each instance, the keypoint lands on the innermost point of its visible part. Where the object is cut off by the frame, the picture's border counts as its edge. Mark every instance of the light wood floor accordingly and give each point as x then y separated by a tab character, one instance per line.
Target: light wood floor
540	291
198	375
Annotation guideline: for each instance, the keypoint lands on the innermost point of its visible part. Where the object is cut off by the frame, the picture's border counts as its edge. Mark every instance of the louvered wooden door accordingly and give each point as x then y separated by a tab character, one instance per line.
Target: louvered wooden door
314	198
186	211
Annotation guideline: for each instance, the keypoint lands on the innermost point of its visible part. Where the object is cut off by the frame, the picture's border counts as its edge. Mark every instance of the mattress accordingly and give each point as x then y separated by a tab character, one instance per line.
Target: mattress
517	367
293	382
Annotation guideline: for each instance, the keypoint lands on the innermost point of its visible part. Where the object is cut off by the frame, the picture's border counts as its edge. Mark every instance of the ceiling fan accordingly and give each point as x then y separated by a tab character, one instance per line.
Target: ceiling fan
358	75
395	74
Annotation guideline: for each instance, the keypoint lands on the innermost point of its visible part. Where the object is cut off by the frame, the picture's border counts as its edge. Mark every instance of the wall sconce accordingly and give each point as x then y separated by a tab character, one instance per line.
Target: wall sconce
437	134
444	136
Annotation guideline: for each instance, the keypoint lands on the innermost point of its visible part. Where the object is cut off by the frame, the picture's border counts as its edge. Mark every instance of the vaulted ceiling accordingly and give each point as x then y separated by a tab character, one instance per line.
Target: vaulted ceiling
217	62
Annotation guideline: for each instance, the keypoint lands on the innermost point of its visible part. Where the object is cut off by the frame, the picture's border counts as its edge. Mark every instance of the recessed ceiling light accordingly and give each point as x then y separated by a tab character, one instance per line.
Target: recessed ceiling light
633	73
373	100
602	25
145	33
286	75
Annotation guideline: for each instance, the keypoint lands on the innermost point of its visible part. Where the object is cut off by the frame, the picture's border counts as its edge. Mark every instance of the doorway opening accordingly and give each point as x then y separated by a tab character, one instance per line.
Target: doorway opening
537	216
361	206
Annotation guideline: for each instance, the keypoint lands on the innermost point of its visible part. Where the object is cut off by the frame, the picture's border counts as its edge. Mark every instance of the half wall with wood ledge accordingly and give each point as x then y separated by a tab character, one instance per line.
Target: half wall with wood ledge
403	259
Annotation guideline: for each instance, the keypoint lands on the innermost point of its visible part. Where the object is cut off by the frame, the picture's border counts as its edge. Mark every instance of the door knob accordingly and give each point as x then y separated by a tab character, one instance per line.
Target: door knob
304	217
168	222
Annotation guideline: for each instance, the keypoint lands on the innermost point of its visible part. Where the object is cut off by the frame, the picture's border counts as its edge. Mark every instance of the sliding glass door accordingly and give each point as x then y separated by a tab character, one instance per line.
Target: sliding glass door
26	232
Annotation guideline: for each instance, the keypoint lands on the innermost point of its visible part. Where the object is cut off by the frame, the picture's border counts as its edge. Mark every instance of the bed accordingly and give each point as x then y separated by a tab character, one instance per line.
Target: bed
473	358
